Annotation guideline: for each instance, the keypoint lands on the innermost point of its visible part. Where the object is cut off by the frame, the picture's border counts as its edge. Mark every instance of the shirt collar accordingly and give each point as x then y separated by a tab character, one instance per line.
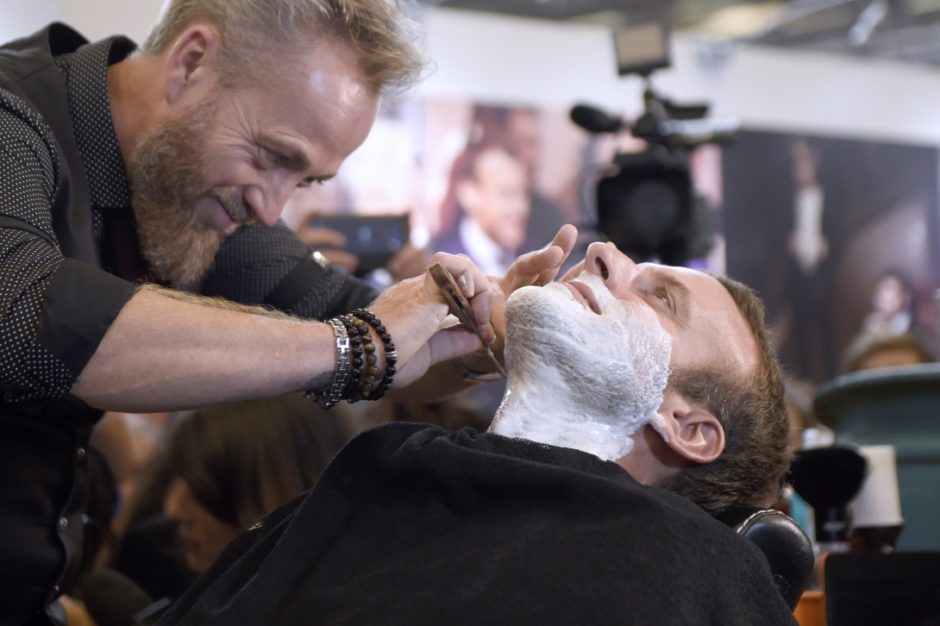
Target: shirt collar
86	76
487	254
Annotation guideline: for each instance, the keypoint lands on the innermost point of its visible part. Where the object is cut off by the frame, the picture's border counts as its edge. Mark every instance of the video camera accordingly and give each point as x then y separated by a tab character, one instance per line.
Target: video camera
646	203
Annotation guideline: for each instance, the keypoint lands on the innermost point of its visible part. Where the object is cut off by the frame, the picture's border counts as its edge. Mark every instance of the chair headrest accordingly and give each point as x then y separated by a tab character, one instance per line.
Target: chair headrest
788	550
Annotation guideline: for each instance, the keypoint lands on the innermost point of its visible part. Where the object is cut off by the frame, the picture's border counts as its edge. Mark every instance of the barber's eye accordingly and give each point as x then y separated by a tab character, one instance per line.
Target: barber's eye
275	158
309	182
269	158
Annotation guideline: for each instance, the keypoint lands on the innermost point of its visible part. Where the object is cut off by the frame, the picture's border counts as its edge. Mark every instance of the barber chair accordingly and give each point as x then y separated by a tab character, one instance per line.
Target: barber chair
788	550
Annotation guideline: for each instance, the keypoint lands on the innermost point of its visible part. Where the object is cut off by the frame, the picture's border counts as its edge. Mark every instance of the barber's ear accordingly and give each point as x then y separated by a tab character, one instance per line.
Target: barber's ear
188	62
691	430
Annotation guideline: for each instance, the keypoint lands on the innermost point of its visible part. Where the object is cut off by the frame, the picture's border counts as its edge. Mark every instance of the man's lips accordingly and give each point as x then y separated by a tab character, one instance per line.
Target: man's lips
232	201
232	217
583	294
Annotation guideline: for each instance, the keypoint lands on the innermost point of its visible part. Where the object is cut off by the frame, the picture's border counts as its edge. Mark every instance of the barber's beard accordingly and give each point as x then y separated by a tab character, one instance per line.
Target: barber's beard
167	173
577	379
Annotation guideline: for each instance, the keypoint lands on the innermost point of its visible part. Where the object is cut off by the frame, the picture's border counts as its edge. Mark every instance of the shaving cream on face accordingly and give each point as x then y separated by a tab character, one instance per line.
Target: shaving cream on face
578	379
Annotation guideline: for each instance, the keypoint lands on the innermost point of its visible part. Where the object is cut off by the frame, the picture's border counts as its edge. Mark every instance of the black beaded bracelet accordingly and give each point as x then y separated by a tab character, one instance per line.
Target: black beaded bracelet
391	355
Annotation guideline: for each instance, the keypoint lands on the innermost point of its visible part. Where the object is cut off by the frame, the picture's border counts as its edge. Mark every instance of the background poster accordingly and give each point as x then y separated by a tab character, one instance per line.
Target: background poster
839	236
408	163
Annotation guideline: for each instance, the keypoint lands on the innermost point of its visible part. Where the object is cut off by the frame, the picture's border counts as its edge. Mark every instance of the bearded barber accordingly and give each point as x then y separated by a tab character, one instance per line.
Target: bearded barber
124	170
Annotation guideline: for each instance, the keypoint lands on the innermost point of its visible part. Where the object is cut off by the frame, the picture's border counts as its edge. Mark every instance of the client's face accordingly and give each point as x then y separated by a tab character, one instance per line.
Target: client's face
594	351
202	535
586	368
598	365
705	328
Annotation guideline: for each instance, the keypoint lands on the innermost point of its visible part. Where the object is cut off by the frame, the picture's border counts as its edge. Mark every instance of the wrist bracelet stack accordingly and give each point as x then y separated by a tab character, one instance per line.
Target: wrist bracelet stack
356	376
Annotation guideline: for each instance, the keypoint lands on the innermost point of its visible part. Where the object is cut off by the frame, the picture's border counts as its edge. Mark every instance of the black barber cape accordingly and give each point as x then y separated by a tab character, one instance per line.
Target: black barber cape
411	525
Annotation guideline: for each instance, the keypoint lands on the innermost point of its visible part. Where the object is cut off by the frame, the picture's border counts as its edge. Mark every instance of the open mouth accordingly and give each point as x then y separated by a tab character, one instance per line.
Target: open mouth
583	294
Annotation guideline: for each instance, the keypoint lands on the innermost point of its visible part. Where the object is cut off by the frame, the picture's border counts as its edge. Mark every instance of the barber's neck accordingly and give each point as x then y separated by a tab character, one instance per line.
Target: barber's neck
134	91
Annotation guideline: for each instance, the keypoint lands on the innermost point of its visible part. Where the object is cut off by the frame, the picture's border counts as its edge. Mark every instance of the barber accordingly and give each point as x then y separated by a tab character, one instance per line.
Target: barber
122	171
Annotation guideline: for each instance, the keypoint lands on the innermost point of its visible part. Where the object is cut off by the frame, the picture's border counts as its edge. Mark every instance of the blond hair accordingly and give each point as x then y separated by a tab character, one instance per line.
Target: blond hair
259	35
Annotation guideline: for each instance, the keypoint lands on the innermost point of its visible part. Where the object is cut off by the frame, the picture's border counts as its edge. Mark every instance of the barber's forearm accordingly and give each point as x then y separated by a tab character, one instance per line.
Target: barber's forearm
164	353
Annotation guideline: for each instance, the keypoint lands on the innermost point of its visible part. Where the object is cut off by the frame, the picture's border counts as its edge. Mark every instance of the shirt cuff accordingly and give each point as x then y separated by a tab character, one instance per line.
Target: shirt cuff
79	306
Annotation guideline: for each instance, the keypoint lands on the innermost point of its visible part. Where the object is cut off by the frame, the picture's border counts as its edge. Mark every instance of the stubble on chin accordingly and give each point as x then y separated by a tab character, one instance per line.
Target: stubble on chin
167	178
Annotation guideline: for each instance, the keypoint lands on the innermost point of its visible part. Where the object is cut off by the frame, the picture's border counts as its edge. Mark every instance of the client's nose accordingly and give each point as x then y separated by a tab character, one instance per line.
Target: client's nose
606	261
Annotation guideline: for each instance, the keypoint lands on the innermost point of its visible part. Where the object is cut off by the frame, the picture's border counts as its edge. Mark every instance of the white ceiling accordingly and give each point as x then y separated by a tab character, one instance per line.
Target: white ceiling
905	30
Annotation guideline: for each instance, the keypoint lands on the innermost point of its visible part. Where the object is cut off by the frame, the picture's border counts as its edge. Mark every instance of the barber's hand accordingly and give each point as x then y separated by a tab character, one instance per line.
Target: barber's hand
414	309
538	267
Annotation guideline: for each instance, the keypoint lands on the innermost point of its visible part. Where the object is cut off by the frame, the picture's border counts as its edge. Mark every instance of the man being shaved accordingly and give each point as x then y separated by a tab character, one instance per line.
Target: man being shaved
642	400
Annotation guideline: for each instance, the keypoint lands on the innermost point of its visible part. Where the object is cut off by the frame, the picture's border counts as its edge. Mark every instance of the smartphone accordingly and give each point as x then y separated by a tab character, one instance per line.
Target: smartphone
373	238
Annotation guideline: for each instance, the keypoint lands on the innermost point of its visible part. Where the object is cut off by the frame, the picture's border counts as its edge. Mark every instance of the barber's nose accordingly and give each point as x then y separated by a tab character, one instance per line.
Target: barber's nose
606	261
267	201
259	202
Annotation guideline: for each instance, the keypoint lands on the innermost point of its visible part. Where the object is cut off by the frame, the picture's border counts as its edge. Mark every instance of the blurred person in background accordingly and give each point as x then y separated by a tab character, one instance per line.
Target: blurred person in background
892	301
331	198
129	442
220	469
874	350
228	465
520	127
486	207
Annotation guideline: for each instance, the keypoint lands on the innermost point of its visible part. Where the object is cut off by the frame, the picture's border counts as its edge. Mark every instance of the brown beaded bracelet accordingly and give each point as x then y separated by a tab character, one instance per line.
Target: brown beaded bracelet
391	355
370	370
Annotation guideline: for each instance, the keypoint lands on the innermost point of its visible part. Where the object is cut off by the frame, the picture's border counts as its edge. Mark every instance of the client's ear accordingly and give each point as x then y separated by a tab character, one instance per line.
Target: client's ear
691	430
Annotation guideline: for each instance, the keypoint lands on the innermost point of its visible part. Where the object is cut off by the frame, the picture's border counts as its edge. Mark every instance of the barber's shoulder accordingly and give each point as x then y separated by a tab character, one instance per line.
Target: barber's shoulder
26	139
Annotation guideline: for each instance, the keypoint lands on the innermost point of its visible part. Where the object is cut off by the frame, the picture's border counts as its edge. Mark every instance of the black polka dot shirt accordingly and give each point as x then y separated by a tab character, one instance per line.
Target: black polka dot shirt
37	359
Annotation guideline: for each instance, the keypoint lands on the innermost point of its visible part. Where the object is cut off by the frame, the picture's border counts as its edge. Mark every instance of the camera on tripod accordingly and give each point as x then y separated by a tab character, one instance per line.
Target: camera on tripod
646	203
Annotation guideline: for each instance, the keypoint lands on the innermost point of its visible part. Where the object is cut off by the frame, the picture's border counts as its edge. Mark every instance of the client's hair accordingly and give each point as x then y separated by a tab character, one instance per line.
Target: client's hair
751	470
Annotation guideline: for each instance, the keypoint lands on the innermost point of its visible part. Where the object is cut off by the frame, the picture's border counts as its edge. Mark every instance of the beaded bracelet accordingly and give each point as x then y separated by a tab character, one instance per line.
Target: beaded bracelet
391	355
370	369
356	375
329	396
